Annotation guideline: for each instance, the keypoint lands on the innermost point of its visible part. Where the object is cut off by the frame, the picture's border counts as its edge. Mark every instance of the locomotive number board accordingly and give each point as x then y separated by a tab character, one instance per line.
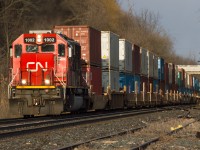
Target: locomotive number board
29	40
49	39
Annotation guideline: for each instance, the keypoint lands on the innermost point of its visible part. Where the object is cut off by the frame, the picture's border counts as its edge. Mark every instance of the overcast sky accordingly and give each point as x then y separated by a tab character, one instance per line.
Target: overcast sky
180	18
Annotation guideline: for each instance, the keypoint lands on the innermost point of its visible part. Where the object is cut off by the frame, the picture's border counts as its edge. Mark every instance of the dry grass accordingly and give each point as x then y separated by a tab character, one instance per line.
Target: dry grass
4	105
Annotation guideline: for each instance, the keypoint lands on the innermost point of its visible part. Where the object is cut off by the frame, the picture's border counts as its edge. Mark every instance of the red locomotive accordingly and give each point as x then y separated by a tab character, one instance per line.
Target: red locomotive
46	75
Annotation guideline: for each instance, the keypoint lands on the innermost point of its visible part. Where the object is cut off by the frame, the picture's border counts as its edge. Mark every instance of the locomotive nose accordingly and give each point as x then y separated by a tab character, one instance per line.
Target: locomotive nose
37	68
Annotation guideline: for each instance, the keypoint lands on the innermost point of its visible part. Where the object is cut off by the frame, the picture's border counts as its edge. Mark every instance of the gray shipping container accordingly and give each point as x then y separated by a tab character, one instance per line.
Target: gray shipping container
155	67
110	78
150	63
125	56
109	50
144	62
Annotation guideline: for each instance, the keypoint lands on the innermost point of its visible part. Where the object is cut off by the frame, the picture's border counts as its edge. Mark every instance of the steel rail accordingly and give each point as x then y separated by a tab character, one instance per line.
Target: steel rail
72	146
82	121
146	144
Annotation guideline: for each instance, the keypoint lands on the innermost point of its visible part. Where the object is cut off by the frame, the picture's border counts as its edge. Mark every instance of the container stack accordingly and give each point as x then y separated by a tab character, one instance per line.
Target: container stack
144	69
110	60
170	67
125	65
90	41
150	64
161	74
181	80
155	73
136	64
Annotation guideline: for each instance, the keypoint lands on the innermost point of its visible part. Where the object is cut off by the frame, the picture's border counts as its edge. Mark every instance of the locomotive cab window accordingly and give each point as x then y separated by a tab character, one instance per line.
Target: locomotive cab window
61	50
18	50
47	48
31	48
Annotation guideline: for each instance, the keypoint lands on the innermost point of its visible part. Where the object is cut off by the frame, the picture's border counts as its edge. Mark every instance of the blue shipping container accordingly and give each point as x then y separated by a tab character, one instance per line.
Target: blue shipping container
126	80
161	64
155	85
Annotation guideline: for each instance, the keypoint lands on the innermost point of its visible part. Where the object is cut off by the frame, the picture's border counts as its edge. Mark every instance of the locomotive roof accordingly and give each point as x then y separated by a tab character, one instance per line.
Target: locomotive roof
69	40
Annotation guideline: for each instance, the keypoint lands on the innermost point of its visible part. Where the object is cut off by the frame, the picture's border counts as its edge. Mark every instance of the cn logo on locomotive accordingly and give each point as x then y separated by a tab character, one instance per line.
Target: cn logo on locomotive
37	64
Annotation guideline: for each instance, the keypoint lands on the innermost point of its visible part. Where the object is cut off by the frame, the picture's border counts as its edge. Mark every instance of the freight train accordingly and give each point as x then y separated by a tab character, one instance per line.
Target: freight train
78	68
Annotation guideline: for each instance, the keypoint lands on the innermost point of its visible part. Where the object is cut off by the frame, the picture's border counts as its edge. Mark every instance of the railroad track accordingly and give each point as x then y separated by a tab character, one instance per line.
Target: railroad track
72	146
22	128
139	147
146	144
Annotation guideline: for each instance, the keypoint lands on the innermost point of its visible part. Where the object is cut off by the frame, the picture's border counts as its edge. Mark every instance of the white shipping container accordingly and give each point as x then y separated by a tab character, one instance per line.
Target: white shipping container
170	66
109	50
150	63
125	56
176	74
143	62
110	78
155	67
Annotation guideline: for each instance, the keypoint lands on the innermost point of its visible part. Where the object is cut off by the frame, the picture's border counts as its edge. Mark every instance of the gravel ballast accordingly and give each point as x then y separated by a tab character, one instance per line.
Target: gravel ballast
67	136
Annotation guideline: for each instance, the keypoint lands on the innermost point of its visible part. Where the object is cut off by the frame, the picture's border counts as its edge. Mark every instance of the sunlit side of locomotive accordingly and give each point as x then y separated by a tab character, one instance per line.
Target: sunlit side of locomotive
45	75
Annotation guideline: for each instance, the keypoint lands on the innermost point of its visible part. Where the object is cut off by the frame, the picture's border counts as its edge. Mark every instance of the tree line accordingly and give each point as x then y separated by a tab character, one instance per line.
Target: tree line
143	29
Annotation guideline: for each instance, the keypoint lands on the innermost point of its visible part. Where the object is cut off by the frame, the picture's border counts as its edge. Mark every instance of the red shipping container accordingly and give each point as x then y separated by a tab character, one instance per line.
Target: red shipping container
166	74
89	39
136	59
145	80
162	86
174	87
92	76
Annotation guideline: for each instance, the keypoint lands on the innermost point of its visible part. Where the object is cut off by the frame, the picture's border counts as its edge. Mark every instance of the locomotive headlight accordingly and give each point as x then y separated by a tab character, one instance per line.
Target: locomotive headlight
23	81
39	38
47	81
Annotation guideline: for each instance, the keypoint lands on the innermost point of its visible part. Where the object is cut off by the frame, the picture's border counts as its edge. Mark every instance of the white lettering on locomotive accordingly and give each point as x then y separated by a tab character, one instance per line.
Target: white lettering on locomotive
36	66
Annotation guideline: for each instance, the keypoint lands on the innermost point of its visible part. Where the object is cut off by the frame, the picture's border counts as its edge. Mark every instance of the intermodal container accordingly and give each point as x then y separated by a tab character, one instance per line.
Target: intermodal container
126	80
162	86
166	72
173	74
92	77
144	62
161	64
144	81
170	69
110	78
110	50
125	56
155	67
176	74
150	64
136	83
89	39
155	85
181	77
196	83
136	59
187	80
190	81
150	85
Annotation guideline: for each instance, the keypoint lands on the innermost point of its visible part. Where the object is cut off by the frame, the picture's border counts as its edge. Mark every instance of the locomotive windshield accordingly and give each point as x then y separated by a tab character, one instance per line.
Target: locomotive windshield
47	48
31	48
18	50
